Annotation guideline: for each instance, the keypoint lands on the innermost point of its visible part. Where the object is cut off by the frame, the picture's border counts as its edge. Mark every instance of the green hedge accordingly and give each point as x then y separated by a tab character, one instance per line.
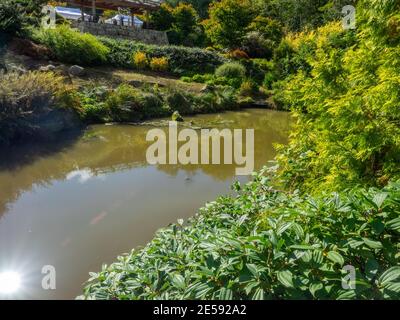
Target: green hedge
267	244
182	60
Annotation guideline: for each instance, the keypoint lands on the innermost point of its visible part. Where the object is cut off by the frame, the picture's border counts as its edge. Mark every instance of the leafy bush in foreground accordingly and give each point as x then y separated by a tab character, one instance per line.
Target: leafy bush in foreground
72	46
267	244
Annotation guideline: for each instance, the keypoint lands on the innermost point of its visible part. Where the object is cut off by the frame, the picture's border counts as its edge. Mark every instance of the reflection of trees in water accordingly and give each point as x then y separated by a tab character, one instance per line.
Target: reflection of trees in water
106	149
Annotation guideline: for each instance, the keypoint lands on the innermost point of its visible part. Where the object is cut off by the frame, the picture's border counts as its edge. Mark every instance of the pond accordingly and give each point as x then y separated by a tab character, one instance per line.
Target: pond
81	201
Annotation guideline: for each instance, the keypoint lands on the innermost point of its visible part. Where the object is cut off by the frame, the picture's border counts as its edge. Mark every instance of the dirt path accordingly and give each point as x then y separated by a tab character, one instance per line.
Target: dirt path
116	76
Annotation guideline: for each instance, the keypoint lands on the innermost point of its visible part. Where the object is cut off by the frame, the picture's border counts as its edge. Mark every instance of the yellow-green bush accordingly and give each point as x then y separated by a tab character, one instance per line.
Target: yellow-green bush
159	64
140	60
347	112
32	92
248	88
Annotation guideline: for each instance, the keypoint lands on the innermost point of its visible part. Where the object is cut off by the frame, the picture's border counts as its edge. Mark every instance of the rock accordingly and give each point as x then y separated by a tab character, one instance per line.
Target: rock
207	88
176	117
30	49
136	83
12	67
3	67
76	71
47	68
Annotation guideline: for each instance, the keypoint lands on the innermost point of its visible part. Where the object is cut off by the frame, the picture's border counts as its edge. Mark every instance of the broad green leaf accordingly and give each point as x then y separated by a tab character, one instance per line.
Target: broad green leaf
393	286
302	247
253	269
225	294
178	281
346	295
286	278
283	227
394	224
258	295
314	287
377	226
373	244
389	275
379	199
318	257
335	257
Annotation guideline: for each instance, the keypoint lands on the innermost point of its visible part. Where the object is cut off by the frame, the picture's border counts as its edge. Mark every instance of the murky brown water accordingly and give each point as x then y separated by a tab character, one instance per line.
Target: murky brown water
81	202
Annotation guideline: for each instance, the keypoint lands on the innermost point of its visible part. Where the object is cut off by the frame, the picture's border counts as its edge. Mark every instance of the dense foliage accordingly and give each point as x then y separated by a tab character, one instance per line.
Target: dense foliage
129	104
347	107
24	98
181	23
72	46
181	59
267	244
17	16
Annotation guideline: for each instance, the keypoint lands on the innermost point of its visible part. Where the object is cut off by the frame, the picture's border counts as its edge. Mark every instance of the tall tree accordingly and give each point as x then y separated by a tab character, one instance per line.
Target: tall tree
228	22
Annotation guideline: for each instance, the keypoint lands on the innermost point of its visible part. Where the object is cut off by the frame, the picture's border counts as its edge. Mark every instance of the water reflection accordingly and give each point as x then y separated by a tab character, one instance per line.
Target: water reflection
80	203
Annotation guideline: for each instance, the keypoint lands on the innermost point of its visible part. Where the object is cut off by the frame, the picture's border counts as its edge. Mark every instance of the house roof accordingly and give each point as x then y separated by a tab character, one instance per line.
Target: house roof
135	6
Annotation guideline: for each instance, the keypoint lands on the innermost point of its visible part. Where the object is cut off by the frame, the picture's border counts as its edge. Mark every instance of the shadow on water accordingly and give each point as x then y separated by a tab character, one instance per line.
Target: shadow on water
13	157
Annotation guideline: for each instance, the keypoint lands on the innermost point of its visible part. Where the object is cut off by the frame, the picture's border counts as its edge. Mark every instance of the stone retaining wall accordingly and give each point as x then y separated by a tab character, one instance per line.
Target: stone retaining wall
125	32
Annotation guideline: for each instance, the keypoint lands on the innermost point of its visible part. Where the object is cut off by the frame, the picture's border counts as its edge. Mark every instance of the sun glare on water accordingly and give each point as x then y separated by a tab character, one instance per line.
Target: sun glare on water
9	282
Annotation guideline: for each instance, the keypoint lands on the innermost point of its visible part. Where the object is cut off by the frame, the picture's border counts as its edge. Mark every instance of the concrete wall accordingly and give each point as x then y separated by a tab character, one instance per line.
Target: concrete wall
125	32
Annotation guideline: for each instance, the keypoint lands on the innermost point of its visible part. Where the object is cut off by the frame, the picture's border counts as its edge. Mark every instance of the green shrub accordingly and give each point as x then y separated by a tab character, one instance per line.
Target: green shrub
269	80
127	103
346	109
29	93
93	107
179	101
248	88
123	103
267	244
72	46
18	16
30	96
152	105
181	60
202	78
270	29
257	46
231	70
